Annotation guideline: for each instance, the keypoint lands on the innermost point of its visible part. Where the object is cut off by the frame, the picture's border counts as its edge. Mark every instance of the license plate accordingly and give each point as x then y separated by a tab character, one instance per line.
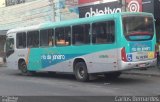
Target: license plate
138	56
142	65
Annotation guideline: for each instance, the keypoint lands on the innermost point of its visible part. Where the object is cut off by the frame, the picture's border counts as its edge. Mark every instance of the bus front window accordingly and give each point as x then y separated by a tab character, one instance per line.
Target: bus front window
138	28
9	46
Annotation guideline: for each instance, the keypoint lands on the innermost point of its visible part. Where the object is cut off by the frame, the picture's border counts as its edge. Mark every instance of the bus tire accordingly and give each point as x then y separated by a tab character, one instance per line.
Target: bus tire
81	72
112	75
23	68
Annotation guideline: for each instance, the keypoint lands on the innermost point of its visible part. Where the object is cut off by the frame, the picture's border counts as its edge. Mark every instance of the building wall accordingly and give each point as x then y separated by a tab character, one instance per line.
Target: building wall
2	43
2	3
66	10
15	2
36	12
26	14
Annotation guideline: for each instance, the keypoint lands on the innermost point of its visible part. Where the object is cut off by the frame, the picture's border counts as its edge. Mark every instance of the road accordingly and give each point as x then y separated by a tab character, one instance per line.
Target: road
12	83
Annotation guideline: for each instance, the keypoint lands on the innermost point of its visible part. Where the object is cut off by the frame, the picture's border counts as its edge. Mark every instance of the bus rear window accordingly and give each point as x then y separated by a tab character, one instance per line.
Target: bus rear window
138	28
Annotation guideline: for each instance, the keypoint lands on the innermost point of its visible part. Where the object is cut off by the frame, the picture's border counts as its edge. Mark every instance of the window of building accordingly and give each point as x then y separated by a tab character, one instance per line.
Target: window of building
33	39
46	37
103	32
63	36
21	40
81	34
14	2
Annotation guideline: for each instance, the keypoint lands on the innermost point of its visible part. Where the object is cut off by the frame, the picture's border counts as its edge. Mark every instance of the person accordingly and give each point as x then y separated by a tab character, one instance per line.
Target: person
11	46
50	42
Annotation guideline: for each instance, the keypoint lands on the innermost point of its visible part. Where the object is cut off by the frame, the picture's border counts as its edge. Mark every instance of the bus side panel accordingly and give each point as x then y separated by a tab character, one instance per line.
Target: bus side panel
100	59
101	62
64	66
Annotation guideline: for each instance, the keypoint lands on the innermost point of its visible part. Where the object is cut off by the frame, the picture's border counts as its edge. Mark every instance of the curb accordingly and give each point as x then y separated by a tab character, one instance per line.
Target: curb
3	65
142	74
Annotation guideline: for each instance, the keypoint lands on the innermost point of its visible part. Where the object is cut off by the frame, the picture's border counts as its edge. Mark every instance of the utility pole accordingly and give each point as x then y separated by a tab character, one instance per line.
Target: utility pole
52	4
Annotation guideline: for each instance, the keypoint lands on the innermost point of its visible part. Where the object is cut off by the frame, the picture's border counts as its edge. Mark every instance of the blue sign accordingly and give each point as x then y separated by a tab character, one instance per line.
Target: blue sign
129	57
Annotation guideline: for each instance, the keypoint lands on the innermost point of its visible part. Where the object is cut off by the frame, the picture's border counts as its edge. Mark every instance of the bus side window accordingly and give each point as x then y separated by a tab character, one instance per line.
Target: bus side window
67	31
63	36
110	31
21	40
51	37
33	39
80	34
46	37
103	32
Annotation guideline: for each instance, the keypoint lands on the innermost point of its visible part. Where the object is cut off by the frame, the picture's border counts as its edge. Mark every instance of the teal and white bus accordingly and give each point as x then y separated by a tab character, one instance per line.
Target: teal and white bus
106	44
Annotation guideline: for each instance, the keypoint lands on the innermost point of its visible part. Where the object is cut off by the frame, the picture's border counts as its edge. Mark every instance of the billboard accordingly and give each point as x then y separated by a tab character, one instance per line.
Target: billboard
134	5
100	9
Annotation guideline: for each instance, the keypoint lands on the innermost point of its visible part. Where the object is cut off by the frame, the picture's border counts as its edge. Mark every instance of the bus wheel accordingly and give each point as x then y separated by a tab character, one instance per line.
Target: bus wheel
81	72
112	75
23	68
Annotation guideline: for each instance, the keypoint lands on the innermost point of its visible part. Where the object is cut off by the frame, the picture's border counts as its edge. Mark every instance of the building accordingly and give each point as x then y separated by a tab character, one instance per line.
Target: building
153	6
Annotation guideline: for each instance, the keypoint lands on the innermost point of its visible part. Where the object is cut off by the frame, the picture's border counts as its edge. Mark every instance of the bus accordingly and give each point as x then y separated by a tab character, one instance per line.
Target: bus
104	44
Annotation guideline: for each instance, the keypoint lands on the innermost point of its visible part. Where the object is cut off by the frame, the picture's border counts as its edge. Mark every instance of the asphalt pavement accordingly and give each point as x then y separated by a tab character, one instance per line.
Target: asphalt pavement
58	88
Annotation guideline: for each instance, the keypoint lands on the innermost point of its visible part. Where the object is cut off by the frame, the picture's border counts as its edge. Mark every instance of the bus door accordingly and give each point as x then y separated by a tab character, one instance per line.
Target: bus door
10	49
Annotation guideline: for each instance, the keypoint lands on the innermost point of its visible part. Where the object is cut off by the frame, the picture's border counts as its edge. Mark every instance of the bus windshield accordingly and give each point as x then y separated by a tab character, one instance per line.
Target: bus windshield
138	28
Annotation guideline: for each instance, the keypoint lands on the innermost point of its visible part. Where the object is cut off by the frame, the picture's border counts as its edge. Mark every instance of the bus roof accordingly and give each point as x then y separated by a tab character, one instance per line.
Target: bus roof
20	29
89	19
75	21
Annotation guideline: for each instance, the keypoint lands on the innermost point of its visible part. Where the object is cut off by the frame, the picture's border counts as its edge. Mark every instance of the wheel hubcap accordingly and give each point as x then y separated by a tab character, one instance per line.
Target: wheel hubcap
81	72
23	68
